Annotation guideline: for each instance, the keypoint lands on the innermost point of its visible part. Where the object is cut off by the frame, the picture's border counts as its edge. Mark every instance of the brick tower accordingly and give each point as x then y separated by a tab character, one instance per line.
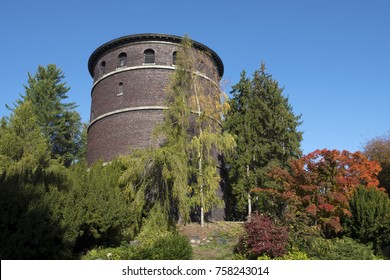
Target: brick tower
130	75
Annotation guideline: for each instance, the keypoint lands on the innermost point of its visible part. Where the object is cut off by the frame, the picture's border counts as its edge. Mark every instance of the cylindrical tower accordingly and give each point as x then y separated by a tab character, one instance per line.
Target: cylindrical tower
130	75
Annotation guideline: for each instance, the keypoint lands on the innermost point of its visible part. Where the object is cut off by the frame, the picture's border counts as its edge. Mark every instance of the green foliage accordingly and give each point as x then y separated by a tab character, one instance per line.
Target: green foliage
266	131
154	227
29	186
47	210
156	179
94	208
29	229
293	255
181	174
339	249
203	97
58	121
370	220
22	146
169	247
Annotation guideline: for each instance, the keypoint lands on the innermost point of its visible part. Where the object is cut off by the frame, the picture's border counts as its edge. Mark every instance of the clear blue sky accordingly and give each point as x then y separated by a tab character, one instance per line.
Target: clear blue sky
332	57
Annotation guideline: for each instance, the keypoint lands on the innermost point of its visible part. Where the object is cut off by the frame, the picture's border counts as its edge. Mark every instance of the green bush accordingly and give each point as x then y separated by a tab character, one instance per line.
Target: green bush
29	228
119	253
293	255
94	209
370	221
339	249
154	227
169	247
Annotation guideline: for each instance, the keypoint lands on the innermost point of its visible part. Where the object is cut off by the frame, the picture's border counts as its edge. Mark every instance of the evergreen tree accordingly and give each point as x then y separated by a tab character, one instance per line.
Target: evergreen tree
29	182
59	122
370	219
267	135
22	146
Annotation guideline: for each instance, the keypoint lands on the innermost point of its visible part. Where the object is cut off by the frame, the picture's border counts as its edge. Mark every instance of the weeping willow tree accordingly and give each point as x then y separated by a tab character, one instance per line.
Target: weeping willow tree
181	175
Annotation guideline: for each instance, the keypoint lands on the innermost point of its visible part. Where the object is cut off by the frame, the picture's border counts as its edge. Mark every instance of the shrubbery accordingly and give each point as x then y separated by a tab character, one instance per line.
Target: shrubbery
172	246
339	249
370	220
293	255
263	237
94	209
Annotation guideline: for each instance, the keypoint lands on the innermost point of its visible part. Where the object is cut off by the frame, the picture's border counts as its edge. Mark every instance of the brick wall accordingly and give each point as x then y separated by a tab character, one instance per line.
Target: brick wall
125	88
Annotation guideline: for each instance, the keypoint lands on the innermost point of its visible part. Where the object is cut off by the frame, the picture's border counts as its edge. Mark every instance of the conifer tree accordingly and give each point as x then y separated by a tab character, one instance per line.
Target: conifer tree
22	146
59	122
266	131
29	228
370	219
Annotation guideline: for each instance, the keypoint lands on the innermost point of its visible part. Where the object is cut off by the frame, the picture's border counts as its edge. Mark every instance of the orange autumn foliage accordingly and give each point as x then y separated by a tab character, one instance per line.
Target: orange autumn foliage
321	183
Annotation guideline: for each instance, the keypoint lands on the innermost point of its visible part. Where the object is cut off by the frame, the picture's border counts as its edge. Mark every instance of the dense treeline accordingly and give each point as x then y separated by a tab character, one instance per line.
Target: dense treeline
327	204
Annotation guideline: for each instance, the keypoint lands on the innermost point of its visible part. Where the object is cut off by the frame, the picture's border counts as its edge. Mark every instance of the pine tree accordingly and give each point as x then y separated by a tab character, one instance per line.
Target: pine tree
59	122
266	130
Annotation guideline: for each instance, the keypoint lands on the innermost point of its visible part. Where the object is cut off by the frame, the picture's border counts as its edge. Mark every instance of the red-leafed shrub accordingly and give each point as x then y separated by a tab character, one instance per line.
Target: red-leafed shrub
263	237
320	185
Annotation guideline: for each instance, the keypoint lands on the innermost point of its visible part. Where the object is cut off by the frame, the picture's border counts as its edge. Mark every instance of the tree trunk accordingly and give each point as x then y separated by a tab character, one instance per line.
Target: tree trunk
201	189
249	194
200	164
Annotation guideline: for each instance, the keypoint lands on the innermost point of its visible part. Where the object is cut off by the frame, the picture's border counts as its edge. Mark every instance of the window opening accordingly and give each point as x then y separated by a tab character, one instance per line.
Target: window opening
149	56
120	89
102	67
174	58
122	59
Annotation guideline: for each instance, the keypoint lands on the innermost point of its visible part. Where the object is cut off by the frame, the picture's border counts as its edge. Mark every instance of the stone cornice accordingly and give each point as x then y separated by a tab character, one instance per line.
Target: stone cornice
147	37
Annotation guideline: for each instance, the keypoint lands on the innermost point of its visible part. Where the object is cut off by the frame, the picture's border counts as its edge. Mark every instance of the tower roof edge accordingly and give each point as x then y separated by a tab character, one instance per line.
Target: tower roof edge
134	38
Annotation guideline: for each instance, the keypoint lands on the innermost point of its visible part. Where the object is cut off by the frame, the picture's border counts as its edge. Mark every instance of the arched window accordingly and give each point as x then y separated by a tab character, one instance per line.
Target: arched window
122	59
174	58
120	89
149	56
102	67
